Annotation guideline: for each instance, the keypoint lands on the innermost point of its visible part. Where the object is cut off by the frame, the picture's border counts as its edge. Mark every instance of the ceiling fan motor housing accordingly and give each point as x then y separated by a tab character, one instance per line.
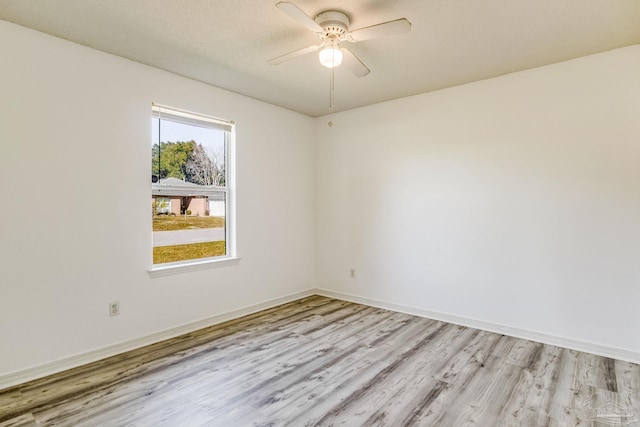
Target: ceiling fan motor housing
334	23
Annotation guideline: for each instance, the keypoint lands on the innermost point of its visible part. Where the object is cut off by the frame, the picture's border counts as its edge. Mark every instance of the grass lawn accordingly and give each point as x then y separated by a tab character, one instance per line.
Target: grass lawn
182	222
163	254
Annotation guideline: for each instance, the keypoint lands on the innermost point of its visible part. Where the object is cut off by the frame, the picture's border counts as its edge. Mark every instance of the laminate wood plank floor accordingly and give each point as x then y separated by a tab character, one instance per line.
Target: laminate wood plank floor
321	361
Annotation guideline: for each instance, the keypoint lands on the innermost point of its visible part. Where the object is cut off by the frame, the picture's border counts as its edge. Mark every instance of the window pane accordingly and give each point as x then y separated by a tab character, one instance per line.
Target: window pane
189	153
189	197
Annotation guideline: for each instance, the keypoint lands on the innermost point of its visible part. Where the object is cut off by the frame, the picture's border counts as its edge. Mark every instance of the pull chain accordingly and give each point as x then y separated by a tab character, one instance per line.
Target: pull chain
331	97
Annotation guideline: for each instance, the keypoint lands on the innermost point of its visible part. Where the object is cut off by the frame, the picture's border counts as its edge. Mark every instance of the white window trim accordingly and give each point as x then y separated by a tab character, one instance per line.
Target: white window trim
231	258
170	268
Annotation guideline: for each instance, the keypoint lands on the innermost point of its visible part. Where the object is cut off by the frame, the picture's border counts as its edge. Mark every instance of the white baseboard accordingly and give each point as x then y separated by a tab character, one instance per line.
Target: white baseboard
28	374
541	337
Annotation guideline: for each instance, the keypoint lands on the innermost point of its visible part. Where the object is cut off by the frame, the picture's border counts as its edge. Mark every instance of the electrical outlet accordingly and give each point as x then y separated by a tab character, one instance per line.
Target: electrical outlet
352	272
114	308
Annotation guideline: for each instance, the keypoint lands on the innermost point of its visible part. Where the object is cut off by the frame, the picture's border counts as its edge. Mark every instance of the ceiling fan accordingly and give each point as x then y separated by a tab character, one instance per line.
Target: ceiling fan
332	28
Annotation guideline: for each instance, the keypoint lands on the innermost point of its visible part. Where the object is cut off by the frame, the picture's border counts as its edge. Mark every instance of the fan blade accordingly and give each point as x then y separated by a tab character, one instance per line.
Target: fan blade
299	16
353	63
385	29
294	54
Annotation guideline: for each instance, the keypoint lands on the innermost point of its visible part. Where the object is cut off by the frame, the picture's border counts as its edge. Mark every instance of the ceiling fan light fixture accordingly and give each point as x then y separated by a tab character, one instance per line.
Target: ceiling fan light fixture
330	56
332	27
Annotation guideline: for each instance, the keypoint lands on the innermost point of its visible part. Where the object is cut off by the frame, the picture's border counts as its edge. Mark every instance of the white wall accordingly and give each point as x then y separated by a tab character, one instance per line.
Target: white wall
509	202
75	187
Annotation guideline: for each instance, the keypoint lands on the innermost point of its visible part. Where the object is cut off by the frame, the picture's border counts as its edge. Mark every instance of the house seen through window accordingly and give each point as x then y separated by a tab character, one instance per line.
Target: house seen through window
190	186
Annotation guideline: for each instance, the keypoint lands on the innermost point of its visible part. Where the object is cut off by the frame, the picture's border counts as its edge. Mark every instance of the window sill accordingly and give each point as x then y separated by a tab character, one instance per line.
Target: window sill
169	269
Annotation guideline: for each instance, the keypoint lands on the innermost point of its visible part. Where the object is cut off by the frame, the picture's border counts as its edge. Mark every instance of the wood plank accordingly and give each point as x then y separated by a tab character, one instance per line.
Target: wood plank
24	420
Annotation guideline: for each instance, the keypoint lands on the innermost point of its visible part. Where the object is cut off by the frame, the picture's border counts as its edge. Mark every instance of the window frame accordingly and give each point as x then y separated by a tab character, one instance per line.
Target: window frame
163	112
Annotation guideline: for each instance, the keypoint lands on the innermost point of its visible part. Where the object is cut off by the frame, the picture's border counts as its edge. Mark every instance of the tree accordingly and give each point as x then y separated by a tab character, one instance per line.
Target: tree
169	159
186	160
200	169
220	179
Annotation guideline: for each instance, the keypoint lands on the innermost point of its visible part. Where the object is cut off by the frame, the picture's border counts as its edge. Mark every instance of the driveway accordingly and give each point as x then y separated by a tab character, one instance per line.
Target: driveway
184	237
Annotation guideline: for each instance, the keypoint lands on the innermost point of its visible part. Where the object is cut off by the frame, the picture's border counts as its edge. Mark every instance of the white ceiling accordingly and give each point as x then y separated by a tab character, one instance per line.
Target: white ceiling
227	42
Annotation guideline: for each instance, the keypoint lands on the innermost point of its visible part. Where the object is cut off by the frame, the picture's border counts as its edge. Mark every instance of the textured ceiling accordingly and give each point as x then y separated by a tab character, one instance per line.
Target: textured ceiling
227	42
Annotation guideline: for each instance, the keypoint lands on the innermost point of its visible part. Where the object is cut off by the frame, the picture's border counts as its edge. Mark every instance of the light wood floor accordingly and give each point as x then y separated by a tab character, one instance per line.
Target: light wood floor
319	361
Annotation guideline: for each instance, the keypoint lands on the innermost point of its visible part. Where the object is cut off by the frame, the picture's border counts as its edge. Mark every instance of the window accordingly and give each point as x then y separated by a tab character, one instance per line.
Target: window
190	187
